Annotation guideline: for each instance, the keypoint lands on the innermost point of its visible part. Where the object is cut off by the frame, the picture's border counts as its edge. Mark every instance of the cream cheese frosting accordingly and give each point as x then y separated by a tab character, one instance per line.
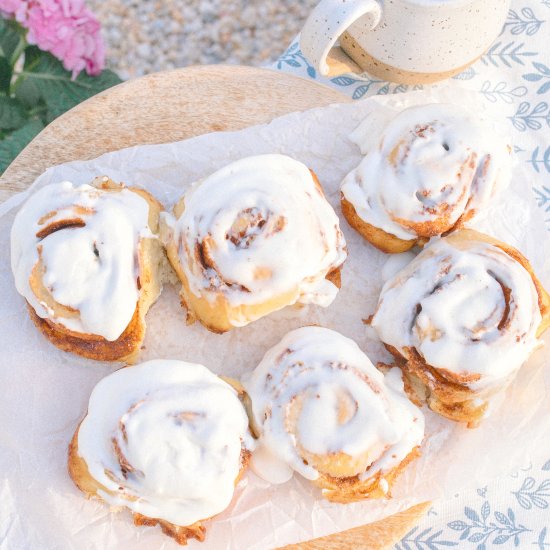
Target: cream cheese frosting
258	228
165	439
326	374
465	306
431	166
83	243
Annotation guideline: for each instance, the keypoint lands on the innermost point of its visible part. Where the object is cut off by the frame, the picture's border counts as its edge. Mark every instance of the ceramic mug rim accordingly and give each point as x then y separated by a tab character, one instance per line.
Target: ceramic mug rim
435	4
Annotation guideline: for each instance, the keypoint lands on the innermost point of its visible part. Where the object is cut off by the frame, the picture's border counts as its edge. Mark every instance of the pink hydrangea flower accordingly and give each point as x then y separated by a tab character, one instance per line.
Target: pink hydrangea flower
9	6
14	8
65	28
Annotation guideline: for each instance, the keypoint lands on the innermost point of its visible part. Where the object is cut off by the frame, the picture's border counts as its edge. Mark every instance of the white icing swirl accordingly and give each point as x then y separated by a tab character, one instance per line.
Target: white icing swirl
259	228
84	241
165	439
328	373
465	306
433	165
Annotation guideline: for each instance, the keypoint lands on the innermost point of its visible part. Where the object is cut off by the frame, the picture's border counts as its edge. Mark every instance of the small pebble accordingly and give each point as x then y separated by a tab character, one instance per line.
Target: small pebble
147	36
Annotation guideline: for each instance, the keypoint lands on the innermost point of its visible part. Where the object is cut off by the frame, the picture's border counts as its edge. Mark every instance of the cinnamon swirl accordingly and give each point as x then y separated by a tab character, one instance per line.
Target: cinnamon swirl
461	319
433	168
87	259
321	408
166	439
252	238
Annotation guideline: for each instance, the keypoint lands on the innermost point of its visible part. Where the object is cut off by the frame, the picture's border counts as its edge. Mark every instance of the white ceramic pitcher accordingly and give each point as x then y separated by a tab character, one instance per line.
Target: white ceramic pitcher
407	41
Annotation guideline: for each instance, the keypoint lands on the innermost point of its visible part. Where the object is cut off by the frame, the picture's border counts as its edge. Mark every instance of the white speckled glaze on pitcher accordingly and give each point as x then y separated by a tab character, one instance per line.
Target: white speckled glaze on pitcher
424	37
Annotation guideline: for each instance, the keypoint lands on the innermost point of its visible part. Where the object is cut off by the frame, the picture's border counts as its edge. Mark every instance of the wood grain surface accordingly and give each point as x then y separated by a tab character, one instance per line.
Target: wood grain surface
163	107
380	535
175	105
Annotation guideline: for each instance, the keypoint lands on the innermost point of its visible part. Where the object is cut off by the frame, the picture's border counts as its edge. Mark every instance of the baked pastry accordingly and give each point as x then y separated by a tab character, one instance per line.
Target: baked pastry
252	238
321	408
87	258
432	169
166	439
461	319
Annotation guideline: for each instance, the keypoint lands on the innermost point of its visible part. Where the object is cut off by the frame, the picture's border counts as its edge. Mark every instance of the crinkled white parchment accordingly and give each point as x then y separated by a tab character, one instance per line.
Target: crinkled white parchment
45	391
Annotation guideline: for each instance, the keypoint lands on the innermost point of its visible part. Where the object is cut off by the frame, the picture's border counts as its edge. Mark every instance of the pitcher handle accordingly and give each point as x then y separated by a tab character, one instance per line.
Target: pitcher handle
327	22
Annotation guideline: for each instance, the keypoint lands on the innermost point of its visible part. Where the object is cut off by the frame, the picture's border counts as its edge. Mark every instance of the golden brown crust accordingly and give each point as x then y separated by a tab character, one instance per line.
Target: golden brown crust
127	346
79	473
385	242
217	317
335	277
91	346
444	395
180	534
78	470
352	489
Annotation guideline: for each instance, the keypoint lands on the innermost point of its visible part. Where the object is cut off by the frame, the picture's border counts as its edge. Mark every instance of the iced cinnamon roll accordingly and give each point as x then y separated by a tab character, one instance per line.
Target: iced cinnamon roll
432	169
167	440
252	238
321	408
461	319
86	258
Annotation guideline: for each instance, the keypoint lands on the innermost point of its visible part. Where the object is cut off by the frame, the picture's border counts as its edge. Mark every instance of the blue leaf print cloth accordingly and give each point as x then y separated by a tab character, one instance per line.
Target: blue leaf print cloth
515	74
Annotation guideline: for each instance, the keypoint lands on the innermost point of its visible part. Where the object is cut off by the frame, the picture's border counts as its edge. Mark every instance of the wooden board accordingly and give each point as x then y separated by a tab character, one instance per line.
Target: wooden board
174	105
163	107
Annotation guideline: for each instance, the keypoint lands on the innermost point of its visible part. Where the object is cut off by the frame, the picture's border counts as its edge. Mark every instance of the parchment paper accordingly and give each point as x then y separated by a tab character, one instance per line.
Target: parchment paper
45	391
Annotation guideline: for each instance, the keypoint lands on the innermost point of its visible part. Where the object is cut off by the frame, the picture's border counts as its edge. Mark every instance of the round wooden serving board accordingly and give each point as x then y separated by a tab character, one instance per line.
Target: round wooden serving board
175	105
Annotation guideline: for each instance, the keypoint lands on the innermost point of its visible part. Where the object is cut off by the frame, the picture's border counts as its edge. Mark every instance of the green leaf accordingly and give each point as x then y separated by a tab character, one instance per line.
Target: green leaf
32	57
12	145
12	38
44	78
27	90
12	113
62	96
5	75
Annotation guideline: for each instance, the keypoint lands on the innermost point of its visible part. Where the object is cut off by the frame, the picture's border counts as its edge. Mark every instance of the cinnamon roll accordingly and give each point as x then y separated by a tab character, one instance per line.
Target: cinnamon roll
252	238
432	169
167	440
86	258
461	319
321	408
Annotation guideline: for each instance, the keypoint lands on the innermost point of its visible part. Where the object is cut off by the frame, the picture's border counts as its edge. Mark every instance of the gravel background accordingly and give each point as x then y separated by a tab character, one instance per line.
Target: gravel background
144	36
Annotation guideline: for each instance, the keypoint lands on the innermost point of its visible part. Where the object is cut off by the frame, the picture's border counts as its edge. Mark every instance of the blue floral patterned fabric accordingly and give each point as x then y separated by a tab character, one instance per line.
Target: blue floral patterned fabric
515	72
509	513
